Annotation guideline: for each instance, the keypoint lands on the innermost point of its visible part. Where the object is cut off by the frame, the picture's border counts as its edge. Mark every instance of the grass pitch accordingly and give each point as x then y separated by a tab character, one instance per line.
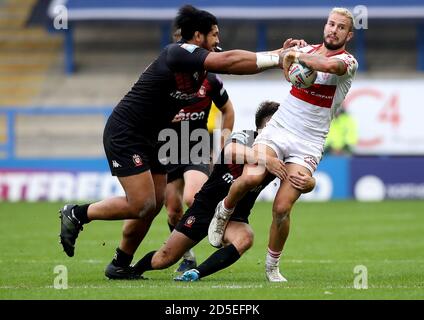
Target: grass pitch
326	242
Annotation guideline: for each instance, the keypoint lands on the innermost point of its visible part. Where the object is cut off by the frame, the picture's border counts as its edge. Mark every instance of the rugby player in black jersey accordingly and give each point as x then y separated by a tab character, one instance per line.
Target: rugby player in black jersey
131	133
193	226
187	177
184	178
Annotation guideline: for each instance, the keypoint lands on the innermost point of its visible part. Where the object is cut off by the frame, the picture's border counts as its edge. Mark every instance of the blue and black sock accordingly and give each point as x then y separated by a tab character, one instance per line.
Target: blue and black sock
219	260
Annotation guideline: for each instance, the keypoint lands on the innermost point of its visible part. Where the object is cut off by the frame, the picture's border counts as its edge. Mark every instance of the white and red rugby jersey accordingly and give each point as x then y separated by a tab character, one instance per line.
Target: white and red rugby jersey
308	112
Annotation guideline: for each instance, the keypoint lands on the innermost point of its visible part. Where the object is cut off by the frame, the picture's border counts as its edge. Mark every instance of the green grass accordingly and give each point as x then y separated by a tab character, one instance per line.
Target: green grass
327	241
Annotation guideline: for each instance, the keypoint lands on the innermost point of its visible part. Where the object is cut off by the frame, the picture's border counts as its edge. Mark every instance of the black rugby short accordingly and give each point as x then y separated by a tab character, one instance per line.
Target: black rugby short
176	171
195	222
129	152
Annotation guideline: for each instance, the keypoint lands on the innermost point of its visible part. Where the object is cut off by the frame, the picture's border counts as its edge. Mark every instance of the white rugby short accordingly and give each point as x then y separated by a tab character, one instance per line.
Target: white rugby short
290	147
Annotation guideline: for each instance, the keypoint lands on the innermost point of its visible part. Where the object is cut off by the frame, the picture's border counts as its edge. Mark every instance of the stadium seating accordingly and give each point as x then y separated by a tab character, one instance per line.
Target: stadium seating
111	48
26	54
259	12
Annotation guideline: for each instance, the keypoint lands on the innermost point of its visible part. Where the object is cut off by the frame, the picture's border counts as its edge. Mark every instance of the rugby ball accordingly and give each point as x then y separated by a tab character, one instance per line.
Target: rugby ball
301	76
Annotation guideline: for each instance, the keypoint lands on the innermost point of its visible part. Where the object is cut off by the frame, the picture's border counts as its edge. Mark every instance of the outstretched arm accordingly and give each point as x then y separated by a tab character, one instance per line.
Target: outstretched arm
247	62
241	62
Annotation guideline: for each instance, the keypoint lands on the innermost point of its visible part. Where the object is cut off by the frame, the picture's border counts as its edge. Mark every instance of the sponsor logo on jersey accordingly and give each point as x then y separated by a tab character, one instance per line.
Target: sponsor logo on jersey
192	115
228	178
182	96
325	76
189	222
137	160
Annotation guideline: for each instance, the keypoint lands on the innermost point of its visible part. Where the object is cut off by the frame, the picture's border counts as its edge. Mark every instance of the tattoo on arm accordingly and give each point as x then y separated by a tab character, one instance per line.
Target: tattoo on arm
341	67
303	63
308	60
318	62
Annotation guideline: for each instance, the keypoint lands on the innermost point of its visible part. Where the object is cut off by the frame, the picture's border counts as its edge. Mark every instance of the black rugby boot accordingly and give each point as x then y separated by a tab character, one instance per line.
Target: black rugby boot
70	227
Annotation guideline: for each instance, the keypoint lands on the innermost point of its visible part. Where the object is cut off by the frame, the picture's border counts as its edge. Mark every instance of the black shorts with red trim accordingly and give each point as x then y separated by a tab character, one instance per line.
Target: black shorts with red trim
195	222
129	152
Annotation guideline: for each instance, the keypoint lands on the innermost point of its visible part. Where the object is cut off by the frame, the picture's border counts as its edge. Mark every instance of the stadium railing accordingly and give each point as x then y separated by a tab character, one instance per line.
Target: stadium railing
370	178
9	159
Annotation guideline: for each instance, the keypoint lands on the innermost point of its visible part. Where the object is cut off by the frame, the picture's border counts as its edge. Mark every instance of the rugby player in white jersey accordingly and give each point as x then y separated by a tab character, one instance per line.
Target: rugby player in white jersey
296	132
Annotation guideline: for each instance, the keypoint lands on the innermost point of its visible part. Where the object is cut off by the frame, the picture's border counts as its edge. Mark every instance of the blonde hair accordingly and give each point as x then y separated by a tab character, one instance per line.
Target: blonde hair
344	12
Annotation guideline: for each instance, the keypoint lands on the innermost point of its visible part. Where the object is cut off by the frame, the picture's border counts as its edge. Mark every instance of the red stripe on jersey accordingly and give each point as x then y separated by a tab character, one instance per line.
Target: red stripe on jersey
320	95
207	85
204	94
314	48
329	54
187	83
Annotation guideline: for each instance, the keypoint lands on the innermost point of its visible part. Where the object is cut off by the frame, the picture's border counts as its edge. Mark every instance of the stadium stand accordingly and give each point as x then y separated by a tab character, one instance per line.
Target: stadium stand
26	54
259	12
109	43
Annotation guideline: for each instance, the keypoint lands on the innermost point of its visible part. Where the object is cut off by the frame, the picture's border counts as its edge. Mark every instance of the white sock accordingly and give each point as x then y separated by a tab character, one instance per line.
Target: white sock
189	255
226	210
272	258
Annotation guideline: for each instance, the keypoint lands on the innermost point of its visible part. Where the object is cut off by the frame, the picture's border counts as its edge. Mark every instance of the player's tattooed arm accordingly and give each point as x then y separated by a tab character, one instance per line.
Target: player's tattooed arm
320	63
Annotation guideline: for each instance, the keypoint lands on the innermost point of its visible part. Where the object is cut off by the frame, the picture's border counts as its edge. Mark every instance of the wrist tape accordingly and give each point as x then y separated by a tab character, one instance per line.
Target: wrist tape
267	60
